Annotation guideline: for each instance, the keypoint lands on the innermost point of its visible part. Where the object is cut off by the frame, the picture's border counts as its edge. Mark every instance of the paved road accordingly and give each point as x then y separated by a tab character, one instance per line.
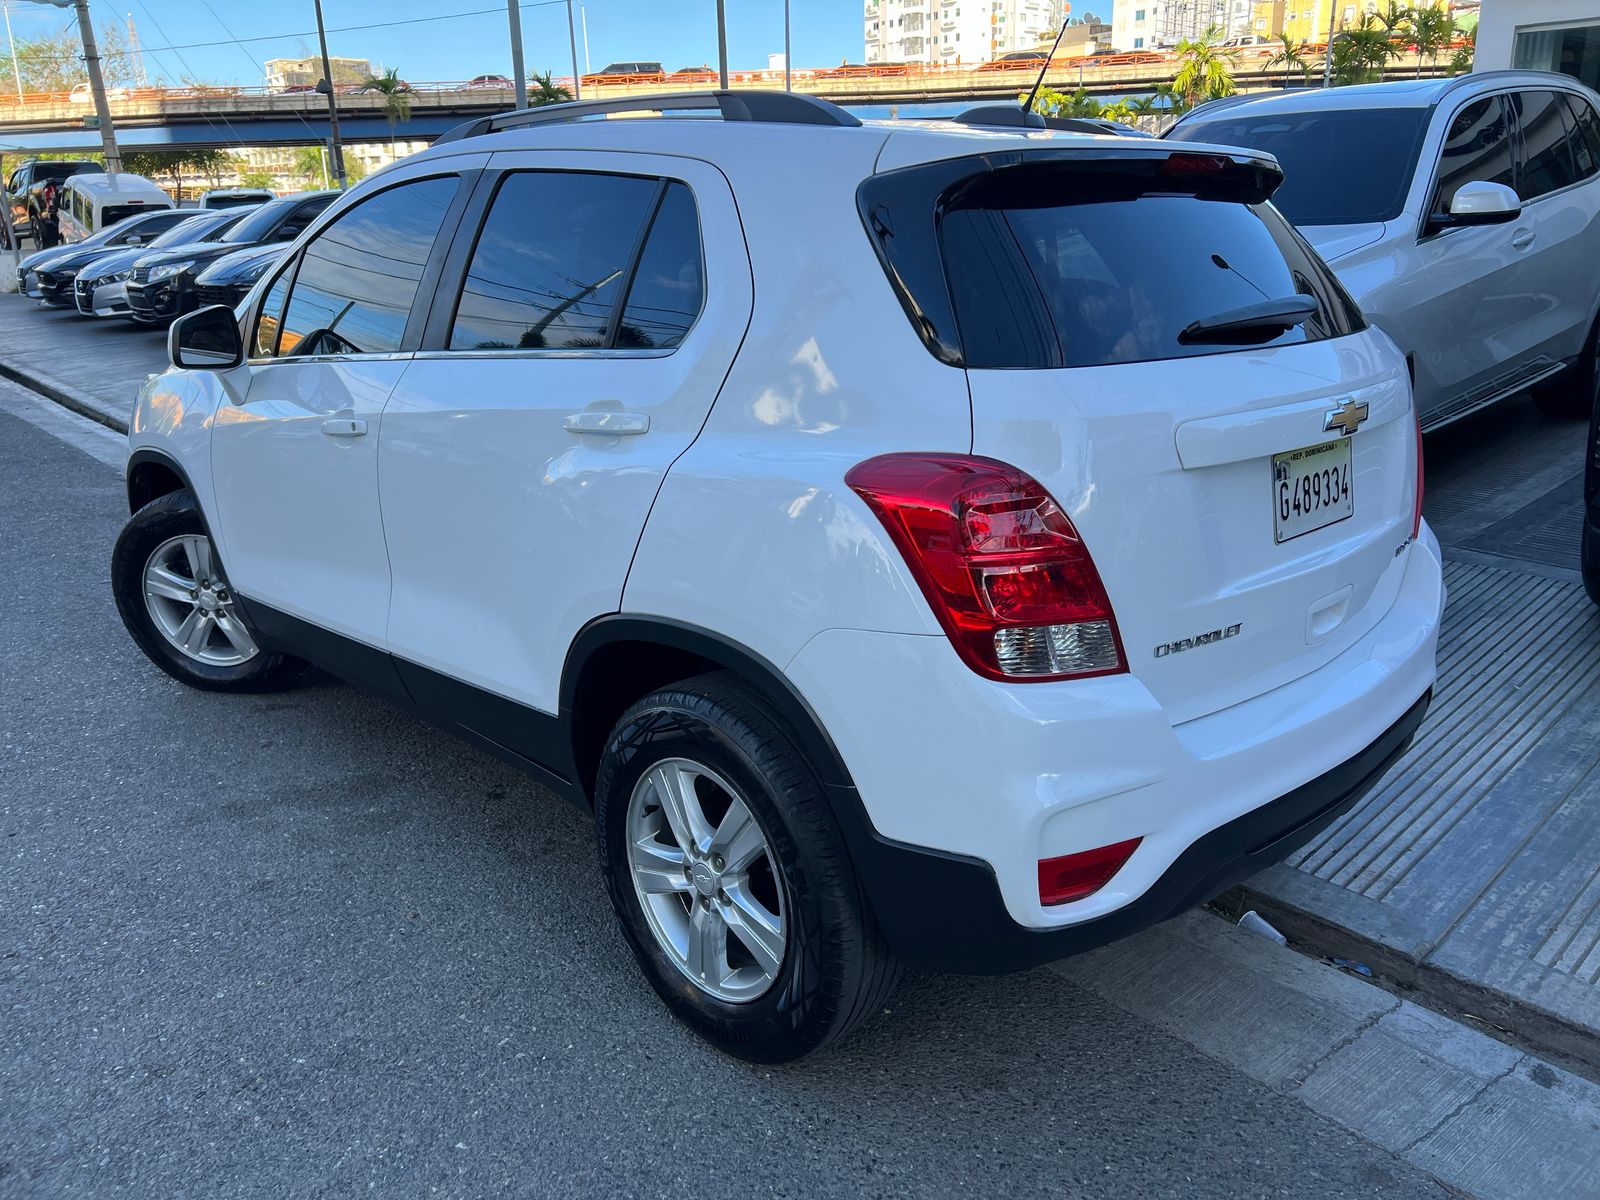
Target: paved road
99	363
301	944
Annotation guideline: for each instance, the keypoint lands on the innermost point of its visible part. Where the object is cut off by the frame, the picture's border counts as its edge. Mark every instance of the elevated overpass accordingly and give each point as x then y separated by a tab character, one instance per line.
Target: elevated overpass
225	117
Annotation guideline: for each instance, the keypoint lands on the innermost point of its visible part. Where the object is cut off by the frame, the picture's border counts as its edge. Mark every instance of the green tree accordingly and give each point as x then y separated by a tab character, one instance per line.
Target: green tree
1433	29
543	89
212	166
53	62
1052	103
1360	54
1461	57
261	180
1205	68
396	97
1292	57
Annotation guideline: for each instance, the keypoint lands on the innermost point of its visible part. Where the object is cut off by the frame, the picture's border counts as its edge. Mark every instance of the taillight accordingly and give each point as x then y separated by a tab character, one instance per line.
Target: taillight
1416	513
1074	876
1000	563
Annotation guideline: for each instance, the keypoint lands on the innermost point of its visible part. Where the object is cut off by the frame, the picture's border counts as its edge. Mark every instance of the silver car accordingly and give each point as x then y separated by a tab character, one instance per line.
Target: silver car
1463	215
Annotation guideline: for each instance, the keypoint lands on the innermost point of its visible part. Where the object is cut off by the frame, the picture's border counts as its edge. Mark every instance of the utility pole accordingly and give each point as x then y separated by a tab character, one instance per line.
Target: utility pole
1327	58
97	85
786	68
514	15
325	85
722	47
572	43
16	71
583	20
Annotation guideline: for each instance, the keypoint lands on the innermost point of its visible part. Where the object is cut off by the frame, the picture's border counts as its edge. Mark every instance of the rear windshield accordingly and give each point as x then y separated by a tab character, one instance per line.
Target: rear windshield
1339	168
113	213
236	201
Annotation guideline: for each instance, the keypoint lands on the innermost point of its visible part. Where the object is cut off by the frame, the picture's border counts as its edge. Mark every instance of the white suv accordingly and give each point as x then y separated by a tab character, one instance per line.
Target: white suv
1463	214
918	543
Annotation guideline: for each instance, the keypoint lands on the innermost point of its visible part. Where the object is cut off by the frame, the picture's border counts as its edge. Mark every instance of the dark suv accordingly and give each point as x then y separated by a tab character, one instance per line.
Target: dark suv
162	285
27	190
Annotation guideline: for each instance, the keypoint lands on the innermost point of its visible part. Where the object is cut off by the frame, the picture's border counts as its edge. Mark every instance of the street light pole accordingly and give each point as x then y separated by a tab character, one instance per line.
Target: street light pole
326	84
16	71
572	44
786	68
514	15
722	47
97	85
1327	58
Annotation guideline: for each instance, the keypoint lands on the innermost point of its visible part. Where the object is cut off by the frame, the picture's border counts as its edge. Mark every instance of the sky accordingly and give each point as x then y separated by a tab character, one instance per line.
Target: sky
678	33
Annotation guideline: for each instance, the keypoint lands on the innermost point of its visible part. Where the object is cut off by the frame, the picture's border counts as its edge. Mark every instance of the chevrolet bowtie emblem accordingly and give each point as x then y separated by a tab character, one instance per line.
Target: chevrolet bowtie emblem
1346	418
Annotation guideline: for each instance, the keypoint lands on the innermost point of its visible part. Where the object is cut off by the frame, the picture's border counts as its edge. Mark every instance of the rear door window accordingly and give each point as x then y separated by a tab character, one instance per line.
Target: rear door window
1545	161
556	255
1478	147
1036	282
1586	135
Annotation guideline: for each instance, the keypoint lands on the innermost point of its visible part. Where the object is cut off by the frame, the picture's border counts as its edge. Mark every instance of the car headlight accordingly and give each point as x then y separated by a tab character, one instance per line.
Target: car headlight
119	277
168	270
251	274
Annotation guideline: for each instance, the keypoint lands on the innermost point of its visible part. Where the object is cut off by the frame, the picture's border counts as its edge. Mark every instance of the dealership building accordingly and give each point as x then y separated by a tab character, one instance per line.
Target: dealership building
1541	35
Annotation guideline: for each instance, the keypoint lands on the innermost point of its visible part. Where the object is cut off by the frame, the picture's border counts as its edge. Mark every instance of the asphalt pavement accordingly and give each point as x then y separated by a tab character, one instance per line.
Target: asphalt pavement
301	944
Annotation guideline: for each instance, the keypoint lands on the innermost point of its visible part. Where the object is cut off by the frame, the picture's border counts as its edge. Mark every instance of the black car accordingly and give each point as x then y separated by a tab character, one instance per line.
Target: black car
229	279
54	271
162	285
1590	554
27	187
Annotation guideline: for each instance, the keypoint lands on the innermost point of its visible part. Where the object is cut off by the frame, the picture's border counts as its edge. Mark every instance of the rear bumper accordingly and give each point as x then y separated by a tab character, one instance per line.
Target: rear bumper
975	935
965	785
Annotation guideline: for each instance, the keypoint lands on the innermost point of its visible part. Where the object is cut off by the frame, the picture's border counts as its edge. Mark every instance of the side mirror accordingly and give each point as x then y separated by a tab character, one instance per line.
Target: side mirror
206	340
1482	203
134	240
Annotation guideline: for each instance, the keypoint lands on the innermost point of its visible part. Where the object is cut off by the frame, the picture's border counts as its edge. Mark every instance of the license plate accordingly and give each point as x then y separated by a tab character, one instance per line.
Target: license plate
1311	489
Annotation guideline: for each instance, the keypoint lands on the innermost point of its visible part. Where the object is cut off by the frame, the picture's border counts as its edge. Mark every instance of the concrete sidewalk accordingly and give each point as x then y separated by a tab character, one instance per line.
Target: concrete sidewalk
1473	873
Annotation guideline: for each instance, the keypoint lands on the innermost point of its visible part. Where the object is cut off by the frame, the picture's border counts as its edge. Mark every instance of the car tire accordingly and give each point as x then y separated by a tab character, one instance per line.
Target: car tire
1589	555
1574	392
174	599
715	744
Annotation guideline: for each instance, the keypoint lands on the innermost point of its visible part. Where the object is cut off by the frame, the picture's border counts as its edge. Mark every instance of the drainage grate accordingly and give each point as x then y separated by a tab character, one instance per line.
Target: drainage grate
1516	652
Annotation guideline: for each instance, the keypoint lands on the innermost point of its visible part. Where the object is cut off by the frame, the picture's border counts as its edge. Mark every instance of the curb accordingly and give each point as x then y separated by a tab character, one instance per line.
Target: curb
1540	1030
66	396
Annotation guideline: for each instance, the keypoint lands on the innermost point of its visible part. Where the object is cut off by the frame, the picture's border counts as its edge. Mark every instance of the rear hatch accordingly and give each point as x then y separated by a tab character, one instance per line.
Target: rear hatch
1151	341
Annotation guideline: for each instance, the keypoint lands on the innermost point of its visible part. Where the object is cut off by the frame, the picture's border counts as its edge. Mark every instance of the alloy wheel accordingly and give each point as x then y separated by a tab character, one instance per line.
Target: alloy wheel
191	605
707	880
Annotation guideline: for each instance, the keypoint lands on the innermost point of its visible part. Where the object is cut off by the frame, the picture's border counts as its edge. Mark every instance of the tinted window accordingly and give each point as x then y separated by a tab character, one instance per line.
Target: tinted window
265	342
1340	168
296	222
1586	139
669	286
1545	161
190	229
1477	147
258	226
1041	283
358	277
550	262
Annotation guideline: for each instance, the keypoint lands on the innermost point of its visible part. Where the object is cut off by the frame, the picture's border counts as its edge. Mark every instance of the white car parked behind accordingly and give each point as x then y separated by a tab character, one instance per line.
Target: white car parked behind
1463	215
968	549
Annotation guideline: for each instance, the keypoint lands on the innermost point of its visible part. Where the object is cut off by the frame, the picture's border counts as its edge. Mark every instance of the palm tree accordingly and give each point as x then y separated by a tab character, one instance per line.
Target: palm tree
1122	111
1165	98
1052	103
542	89
1205	69
1292	57
1461	58
1360	54
1433	29
396	97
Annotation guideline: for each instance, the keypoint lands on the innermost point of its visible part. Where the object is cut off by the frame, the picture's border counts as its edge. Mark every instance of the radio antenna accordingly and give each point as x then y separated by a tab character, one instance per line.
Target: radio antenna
1027	105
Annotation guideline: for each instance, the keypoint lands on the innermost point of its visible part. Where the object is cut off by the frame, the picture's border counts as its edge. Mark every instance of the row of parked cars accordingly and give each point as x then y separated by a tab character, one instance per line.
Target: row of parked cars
154	264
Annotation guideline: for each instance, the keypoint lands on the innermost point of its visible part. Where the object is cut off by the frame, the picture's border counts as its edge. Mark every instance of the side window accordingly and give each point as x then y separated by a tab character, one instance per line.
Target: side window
270	318
295	223
1586	135
550	262
668	287
1545	161
358	277
1477	148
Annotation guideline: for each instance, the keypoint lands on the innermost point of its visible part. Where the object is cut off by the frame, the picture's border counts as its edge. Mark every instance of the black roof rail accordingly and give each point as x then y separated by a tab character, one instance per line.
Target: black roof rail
780	108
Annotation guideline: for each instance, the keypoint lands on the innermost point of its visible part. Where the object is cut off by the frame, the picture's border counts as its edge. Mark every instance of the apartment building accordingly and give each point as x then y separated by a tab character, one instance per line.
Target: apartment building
1541	35
956	31
1160	24
301	72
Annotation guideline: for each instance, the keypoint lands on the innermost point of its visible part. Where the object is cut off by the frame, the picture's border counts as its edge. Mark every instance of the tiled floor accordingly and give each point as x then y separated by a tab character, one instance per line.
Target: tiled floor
1475	866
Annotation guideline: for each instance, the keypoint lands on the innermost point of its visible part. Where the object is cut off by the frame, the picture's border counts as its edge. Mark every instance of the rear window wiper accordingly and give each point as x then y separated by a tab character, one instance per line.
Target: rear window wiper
1252	323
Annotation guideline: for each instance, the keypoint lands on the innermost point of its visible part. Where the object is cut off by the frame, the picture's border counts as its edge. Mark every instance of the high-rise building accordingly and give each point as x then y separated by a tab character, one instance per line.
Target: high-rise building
1158	24
956	31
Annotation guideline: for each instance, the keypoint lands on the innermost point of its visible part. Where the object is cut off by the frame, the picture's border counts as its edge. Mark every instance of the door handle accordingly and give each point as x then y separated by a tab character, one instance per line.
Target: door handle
606	421
1523	239
345	427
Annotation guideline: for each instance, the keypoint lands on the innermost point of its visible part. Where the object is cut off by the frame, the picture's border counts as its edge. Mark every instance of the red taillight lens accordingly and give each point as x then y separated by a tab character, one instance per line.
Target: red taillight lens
1416	513
1074	876
1002	566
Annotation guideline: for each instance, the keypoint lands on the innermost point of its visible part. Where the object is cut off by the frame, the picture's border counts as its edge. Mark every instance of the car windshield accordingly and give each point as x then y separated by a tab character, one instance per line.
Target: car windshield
192	230
1342	167
258	225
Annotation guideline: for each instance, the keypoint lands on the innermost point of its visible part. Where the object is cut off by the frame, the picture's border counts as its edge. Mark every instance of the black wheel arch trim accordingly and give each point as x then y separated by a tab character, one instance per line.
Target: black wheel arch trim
159	458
